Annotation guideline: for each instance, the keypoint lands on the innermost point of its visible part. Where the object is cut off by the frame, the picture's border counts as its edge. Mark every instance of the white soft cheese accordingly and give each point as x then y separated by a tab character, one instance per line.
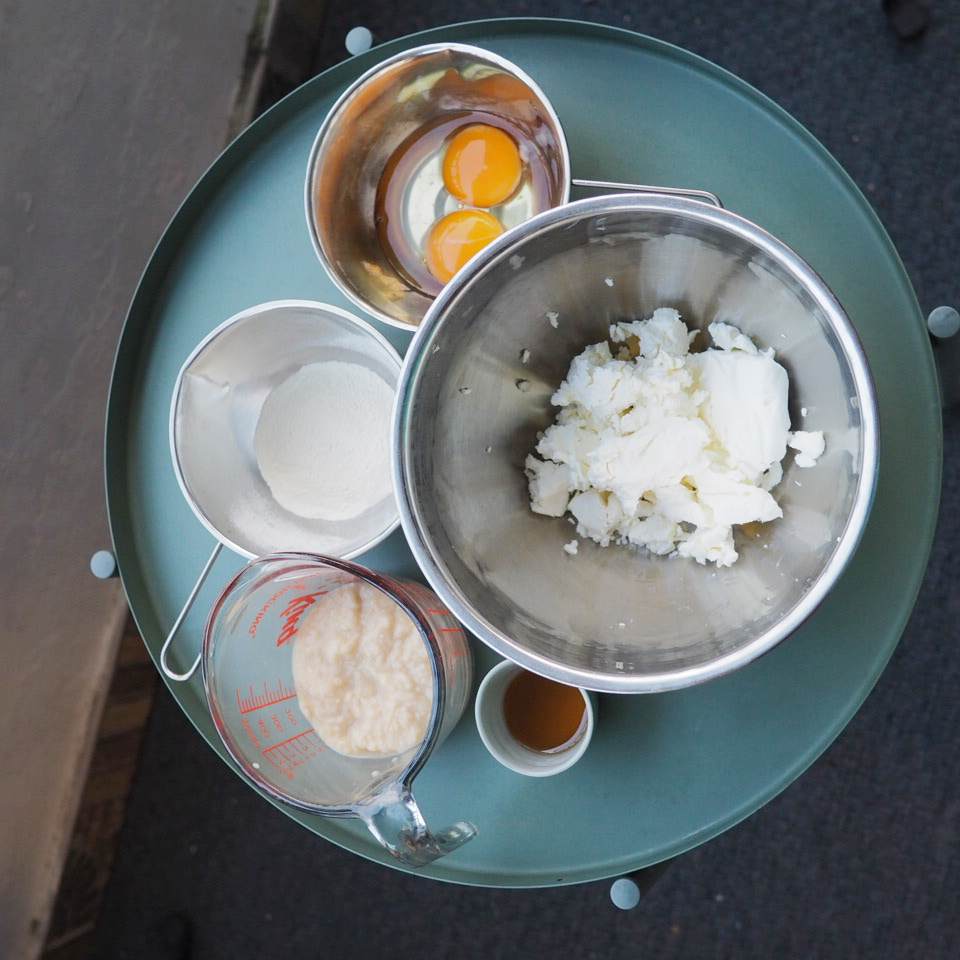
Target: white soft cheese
745	407
659	454
809	445
549	493
667	449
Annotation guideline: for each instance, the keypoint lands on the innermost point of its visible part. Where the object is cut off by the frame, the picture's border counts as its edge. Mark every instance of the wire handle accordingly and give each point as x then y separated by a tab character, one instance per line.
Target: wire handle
639	188
172	674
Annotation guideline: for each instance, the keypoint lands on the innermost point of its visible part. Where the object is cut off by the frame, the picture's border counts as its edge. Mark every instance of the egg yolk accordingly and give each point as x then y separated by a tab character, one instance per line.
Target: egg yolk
455	238
482	165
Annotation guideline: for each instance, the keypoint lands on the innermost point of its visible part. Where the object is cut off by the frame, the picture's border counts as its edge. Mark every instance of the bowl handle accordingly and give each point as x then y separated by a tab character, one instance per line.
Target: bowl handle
397	823
638	188
172	674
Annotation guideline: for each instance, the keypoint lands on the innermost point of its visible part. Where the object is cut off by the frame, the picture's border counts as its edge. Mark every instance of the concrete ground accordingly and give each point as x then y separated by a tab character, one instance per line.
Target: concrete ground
110	113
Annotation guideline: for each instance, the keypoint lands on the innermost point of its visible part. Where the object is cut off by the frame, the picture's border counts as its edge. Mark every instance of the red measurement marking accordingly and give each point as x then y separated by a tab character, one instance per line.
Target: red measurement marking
248	729
442	613
257	701
299	736
290	754
293	612
449	630
263	610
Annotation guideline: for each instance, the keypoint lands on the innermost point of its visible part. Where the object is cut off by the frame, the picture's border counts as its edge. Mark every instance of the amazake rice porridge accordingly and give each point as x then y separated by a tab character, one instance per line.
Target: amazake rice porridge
362	673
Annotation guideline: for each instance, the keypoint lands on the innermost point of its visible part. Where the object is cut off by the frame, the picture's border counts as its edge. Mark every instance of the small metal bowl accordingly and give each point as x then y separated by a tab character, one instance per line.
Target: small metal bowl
213	417
370	124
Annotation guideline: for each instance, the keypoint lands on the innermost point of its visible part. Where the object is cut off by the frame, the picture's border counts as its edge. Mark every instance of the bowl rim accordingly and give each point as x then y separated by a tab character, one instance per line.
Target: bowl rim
427	49
269	306
410	515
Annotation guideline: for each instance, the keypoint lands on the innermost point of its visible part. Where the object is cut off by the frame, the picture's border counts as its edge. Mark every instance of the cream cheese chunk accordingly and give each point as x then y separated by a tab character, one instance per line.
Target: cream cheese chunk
663	448
809	446
745	407
549	493
659	454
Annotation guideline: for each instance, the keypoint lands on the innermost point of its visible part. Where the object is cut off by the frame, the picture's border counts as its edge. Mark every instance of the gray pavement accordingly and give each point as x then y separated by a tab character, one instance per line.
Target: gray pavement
110	113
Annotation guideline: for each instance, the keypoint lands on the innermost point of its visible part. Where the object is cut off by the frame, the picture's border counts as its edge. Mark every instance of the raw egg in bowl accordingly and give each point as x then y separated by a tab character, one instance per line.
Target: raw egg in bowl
423	161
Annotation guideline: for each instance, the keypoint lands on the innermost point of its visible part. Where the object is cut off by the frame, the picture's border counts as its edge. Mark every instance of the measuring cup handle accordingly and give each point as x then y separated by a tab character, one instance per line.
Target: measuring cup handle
399	826
172	674
639	188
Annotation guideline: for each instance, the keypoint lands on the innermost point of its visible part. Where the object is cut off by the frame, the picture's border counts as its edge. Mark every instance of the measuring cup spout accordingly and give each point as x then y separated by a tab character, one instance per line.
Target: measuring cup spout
395	820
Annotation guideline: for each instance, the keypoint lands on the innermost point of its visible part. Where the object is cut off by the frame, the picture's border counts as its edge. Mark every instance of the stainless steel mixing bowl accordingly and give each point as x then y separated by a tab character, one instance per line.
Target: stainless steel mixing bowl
614	618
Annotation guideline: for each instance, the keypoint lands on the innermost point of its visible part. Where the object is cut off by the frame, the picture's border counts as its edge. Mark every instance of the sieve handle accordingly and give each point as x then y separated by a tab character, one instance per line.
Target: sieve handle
172	674
639	188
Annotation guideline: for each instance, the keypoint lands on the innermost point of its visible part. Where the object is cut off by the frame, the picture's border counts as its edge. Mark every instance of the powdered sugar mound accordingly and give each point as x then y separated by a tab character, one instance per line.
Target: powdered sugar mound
322	441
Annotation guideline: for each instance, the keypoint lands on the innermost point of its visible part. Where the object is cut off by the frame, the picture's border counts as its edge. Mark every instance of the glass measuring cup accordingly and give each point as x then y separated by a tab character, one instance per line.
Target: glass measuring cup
248	679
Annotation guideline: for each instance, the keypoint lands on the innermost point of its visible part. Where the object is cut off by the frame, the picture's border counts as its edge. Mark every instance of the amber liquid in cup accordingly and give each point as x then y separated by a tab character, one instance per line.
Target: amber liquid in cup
542	714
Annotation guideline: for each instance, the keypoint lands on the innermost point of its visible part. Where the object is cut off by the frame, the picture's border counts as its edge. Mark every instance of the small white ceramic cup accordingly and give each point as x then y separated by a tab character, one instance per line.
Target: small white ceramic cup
497	738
